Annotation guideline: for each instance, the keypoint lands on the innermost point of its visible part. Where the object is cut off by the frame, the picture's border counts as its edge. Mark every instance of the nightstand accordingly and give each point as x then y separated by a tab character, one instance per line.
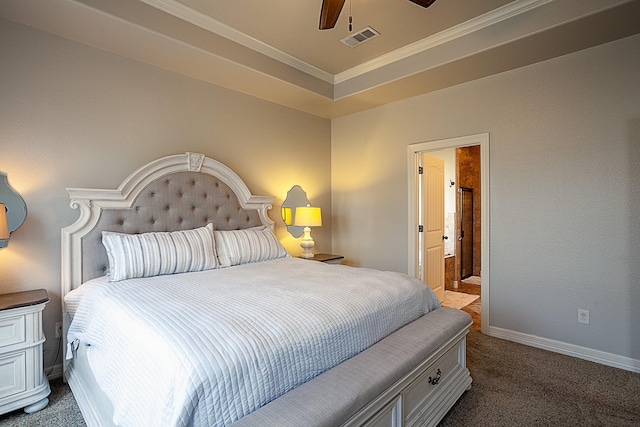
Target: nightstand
24	384
327	258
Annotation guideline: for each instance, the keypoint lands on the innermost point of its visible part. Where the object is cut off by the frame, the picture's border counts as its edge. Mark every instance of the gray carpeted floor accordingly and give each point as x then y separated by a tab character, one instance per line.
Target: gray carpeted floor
513	385
61	411
518	385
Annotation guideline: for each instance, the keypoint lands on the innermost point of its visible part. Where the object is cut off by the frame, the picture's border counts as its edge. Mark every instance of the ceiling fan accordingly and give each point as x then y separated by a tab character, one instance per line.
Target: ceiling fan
331	11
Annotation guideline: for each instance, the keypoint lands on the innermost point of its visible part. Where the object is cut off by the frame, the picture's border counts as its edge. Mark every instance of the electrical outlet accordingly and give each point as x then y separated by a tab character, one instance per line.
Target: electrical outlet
58	329
583	316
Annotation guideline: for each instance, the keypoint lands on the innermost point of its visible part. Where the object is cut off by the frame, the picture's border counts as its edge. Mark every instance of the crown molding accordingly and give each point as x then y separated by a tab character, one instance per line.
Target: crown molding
483	21
205	22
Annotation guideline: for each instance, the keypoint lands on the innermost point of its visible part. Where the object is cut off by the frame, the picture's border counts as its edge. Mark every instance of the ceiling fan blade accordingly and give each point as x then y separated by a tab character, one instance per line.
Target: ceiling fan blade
330	12
423	3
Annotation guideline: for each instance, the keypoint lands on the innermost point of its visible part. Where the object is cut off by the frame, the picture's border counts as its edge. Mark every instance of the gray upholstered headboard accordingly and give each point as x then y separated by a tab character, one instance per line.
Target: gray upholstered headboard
173	193
180	201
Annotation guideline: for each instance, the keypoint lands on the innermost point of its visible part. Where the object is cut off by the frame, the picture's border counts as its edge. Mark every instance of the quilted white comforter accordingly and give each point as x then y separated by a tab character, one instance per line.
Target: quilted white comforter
207	348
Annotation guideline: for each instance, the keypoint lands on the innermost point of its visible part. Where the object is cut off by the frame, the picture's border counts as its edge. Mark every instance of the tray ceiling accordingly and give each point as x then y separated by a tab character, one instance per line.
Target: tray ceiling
274	50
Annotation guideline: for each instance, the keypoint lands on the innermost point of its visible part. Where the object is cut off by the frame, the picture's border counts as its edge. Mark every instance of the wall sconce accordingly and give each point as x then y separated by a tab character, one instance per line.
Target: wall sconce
13	210
307	217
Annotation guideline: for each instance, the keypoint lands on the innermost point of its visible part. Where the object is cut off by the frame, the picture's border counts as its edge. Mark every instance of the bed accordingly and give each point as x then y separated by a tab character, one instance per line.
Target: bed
181	308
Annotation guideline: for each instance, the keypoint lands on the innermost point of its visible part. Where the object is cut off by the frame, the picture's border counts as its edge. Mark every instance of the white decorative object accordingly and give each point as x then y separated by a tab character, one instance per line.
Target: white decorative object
195	161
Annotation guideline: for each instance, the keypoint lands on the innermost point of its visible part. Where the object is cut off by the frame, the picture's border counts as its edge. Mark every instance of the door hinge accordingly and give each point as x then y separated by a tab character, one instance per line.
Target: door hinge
420	229
420	170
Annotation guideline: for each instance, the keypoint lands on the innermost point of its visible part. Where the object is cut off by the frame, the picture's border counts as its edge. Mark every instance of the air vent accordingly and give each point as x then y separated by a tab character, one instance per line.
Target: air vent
360	37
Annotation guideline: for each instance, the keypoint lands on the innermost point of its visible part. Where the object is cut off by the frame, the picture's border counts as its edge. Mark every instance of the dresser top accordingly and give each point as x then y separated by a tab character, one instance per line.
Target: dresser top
325	257
23	299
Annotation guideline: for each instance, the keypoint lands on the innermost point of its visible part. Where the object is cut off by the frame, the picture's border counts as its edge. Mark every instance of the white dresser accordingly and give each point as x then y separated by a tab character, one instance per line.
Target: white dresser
22	380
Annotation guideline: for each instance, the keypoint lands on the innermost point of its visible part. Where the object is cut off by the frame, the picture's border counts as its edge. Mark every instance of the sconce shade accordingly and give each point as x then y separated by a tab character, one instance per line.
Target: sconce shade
4	227
308	217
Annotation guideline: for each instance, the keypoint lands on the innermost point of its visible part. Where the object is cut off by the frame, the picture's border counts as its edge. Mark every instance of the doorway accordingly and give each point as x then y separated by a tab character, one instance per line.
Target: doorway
481	258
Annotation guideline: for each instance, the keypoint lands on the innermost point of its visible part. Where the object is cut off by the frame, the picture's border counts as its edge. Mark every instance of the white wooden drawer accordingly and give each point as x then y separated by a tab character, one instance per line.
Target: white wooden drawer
12	374
424	388
12	331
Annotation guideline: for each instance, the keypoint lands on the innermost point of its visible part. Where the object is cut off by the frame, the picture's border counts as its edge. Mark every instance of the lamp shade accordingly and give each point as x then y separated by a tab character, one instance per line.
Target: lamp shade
308	217
4	227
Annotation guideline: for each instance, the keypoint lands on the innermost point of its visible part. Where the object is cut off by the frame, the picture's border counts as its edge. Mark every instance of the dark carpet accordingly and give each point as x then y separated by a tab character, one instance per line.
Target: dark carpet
518	385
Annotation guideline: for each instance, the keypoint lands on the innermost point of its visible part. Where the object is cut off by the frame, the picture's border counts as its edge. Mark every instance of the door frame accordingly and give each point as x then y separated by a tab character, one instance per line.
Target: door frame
413	151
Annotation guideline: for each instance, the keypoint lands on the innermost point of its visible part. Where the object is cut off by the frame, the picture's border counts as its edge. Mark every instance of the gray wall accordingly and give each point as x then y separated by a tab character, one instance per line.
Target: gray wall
75	116
564	191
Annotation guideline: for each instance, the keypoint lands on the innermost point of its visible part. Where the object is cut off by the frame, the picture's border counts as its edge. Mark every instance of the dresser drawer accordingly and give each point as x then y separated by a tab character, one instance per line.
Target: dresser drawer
12	374
424	388
12	331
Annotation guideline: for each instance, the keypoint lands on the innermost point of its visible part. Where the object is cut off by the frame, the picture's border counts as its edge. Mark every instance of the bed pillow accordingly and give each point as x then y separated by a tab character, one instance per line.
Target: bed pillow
246	246
159	253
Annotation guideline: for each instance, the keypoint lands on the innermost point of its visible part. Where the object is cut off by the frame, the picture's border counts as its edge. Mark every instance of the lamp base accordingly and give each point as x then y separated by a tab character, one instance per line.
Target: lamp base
307	244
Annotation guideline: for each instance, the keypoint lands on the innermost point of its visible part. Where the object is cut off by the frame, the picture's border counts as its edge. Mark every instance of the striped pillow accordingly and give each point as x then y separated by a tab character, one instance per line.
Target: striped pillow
245	246
158	253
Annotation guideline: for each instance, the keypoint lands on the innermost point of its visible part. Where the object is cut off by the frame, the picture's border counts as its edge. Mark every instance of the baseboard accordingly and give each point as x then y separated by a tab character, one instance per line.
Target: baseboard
604	358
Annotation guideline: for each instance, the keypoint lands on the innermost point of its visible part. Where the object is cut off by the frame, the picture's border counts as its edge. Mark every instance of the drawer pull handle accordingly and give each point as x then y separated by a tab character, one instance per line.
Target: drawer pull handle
435	380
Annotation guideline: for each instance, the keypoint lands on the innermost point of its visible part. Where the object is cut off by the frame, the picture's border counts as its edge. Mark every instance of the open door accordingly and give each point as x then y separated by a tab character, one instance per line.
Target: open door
432	221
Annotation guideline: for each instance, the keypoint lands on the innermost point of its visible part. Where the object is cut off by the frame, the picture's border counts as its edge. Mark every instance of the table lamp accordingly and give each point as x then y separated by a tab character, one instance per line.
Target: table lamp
307	217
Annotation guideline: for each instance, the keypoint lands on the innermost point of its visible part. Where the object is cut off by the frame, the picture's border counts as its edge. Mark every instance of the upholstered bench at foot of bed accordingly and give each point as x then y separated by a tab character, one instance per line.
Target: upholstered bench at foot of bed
387	380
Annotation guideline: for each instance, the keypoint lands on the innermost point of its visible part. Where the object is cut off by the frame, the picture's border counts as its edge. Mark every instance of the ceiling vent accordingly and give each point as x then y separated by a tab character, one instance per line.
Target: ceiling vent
360	37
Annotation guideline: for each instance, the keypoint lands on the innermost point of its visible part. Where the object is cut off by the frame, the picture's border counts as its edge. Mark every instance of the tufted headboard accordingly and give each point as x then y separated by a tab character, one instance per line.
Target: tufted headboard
173	193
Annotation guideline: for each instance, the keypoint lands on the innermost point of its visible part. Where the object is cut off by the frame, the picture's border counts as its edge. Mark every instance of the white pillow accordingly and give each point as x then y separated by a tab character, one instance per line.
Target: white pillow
245	246
158	253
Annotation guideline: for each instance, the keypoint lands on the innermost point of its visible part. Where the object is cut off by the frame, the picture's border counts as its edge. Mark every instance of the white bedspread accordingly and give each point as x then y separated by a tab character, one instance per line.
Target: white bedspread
207	348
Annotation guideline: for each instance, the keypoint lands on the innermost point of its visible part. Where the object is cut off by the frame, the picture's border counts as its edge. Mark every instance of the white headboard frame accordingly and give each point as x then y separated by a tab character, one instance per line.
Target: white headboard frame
91	203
